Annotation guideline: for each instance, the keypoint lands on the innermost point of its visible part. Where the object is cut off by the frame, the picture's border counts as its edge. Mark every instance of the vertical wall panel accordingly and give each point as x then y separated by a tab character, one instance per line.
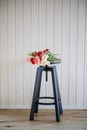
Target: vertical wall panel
26	19
65	51
58	26
80	51
85	69
42	25
4	85
73	51
11	51
34	25
50	24
19	52
0	52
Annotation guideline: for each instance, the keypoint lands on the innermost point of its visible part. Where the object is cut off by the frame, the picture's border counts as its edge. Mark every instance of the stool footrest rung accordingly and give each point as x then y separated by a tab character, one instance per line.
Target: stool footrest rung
45	98
43	103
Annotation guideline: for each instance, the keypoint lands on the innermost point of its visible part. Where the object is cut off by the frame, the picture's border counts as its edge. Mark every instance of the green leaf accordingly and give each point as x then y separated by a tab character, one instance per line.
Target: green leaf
30	54
51	57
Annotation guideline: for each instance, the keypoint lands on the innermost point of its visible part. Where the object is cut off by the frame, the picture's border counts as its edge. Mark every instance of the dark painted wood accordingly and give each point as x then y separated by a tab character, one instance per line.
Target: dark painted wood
36	93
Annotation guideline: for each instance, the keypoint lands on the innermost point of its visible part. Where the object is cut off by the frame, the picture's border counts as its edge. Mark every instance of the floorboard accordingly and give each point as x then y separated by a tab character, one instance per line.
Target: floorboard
44	120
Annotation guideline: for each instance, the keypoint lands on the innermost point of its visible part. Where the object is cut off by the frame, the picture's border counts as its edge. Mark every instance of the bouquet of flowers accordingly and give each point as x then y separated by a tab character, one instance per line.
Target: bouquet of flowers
42	58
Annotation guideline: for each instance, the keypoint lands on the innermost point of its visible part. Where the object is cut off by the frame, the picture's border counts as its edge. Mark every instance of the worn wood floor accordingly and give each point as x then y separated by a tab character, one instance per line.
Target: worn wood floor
44	120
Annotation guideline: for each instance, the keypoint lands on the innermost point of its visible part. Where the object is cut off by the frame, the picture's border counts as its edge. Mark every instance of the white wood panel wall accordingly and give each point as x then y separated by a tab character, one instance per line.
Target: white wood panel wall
27	25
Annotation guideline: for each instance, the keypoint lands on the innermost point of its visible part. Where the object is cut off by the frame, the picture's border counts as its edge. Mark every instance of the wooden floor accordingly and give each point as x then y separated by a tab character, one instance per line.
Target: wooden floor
44	120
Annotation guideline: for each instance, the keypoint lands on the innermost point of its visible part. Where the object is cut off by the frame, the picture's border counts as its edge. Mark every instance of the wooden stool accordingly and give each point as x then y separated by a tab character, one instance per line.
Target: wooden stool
36	93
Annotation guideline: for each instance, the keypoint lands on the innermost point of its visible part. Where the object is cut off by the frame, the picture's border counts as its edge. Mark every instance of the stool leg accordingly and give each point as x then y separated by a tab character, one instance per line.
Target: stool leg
34	107
38	92
55	95
59	98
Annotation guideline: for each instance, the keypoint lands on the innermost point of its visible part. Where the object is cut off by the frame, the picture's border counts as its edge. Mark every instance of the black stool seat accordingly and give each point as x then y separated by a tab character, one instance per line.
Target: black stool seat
37	100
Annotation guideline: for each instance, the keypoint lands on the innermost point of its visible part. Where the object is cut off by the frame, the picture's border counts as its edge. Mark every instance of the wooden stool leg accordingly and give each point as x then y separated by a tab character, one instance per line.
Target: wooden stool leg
56	95
34	106
59	98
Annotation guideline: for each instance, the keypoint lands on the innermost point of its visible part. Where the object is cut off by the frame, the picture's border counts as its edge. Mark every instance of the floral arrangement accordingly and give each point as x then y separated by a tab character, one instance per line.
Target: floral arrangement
42	58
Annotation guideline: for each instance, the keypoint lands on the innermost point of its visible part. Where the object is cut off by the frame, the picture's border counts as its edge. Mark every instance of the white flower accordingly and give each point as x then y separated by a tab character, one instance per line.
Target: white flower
44	60
43	63
44	57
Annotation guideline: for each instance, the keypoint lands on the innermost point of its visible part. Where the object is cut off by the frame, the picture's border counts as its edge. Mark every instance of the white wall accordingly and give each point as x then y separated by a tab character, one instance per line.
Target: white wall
27	25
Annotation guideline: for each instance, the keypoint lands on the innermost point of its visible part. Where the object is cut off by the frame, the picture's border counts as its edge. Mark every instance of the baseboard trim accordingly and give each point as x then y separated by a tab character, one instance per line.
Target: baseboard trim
41	107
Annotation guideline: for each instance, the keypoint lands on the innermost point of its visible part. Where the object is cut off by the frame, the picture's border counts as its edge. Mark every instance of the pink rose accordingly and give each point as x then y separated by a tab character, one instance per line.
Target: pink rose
46	50
40	54
35	60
